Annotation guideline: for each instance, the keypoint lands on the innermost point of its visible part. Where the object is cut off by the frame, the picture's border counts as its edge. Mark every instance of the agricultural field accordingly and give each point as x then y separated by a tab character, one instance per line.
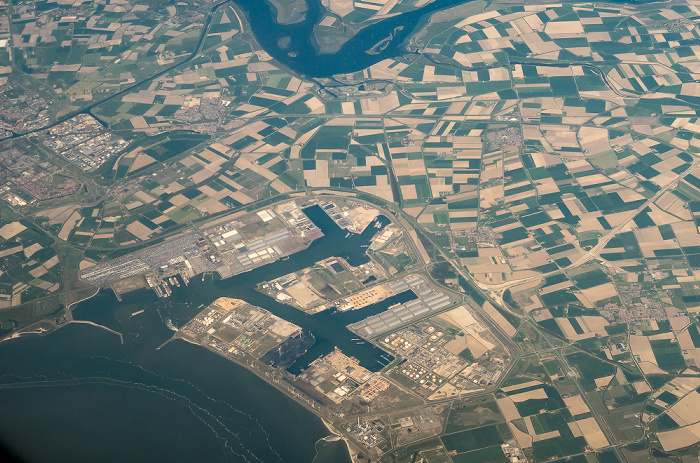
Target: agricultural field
545	424
72	55
29	263
540	159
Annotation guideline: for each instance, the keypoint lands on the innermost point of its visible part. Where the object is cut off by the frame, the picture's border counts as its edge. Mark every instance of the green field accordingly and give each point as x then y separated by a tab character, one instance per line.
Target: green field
473	439
590	368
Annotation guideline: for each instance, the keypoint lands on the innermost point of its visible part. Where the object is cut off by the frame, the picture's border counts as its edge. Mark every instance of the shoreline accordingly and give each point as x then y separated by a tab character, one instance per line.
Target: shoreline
19	334
257	372
335	432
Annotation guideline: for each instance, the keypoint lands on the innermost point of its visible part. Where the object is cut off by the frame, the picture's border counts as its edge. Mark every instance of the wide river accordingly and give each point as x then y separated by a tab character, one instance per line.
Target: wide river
78	394
378	41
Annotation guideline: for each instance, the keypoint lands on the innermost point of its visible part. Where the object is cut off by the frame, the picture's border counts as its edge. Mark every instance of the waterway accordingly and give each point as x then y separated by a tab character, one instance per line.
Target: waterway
294	44
79	394
328	327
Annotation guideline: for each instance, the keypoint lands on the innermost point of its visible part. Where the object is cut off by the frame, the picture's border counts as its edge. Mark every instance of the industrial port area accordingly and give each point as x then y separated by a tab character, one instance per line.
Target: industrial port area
243	332
432	346
429	300
229	247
